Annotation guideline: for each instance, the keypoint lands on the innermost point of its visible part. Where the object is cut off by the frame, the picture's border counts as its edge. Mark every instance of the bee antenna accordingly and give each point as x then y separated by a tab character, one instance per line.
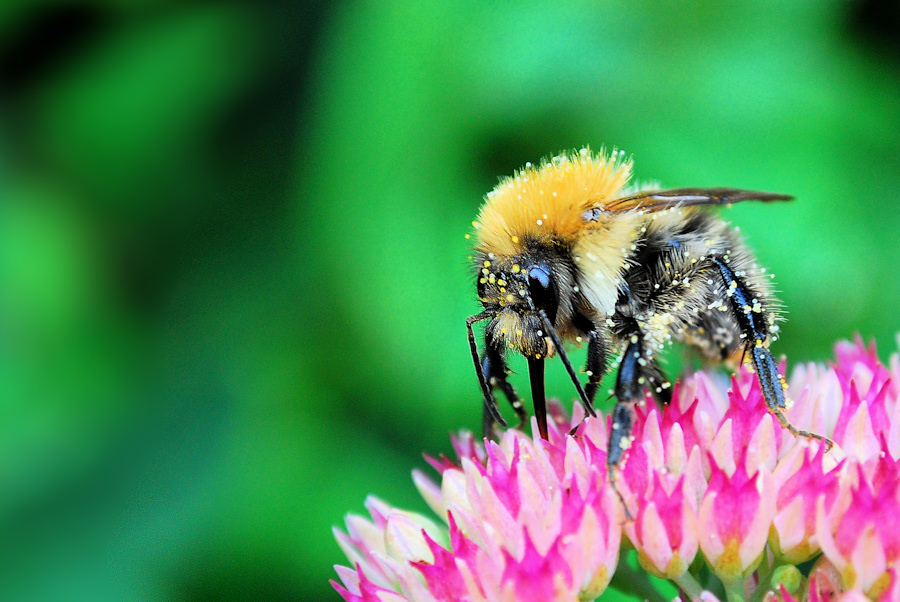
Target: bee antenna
582	396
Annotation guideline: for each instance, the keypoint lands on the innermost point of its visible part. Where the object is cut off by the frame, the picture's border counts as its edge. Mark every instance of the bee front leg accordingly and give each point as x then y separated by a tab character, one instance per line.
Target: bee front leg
753	320
490	413
495	371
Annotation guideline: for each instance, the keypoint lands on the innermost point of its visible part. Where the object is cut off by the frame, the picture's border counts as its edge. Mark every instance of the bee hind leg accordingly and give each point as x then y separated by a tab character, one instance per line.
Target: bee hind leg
773	392
752	320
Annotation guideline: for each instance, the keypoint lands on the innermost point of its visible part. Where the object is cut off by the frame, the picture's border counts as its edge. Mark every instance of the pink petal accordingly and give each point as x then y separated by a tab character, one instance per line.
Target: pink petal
593	551
430	492
762	450
655	545
695	482
867	559
826	539
858	438
349	577
404	537
538	577
755	537
735	514
577	464
652	442
723	451
711	542
366	591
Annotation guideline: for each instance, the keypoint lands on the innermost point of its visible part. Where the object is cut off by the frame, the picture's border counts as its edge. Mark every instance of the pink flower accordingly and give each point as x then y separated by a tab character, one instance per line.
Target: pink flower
865	543
824	585
714	472
530	521
793	534
735	513
664	530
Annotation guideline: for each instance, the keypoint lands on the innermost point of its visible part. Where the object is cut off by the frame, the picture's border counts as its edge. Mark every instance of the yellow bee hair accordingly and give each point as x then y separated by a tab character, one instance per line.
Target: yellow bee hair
549	200
547	204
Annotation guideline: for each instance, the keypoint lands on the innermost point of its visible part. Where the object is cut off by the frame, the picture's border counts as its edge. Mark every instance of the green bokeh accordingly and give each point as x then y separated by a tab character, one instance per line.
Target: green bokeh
232	260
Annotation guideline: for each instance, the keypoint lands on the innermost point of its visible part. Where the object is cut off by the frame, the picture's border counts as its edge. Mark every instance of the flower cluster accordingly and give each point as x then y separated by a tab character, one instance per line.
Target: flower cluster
722	501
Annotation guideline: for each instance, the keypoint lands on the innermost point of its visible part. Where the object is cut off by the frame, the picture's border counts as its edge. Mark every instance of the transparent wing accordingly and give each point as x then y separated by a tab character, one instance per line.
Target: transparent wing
658	200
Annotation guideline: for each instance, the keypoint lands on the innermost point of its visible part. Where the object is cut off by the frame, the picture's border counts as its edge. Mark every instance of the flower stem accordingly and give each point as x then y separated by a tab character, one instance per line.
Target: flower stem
763	584
689	585
734	591
629	580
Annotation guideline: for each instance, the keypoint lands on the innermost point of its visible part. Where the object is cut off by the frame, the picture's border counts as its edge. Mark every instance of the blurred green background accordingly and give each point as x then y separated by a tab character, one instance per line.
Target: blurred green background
233	273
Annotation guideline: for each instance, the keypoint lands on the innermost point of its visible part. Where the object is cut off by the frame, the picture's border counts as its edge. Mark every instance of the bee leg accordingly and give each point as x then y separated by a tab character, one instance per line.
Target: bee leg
630	383
495	372
490	415
489	428
659	385
753	325
629	391
597	358
595	367
557	344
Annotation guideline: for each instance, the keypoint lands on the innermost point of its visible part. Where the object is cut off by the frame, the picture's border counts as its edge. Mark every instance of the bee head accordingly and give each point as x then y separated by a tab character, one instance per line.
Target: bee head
516	289
541	289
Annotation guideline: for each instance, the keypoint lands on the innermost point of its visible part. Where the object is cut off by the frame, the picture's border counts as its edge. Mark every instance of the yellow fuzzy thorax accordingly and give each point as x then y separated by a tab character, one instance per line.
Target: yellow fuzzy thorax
549	201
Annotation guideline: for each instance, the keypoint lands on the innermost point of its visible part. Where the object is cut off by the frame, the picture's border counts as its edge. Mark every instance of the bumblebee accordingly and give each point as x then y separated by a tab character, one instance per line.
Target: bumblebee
567	252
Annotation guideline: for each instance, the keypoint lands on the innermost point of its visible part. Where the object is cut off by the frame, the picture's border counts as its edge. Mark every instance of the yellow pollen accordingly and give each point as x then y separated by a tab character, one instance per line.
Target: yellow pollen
515	239
516	269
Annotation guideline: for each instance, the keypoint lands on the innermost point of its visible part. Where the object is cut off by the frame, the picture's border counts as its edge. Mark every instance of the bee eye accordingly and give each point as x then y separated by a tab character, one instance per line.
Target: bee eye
593	214
541	290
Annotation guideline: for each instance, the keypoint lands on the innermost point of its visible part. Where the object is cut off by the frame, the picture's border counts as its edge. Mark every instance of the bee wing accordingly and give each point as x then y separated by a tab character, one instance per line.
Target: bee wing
657	200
